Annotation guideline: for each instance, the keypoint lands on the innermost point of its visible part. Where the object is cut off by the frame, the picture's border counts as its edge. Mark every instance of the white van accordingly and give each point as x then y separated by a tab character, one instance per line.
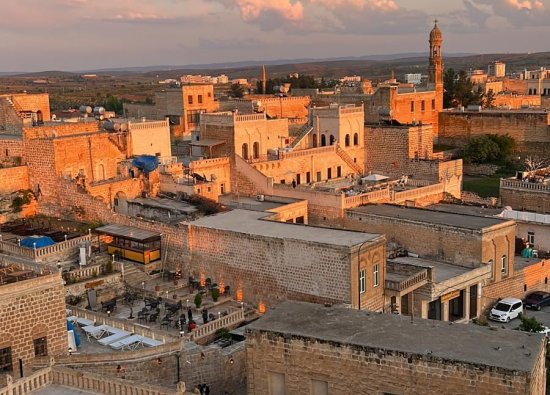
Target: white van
506	309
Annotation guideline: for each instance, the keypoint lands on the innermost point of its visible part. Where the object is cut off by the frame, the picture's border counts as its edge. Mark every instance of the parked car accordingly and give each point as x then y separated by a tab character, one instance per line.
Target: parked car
546	331
506	309
536	300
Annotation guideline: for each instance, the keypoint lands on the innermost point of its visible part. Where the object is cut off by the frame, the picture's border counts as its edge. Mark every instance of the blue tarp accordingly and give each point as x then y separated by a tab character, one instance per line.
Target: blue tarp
70	327
527	253
41	241
146	163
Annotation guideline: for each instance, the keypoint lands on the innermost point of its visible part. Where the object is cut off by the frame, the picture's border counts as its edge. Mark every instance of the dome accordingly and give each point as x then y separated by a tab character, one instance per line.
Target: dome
435	34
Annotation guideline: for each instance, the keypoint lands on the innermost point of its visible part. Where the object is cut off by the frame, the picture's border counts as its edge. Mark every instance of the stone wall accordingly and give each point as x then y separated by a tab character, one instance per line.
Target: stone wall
29	310
533	277
523	198
274	269
10	148
529	129
13	179
305	363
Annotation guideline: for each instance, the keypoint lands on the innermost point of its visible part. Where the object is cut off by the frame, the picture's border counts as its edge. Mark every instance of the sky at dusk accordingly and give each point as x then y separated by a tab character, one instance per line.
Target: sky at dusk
89	34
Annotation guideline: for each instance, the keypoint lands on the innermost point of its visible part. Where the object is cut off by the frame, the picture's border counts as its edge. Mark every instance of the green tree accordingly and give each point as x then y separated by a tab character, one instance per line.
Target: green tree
215	294
489	148
113	104
459	90
489	99
530	324
237	90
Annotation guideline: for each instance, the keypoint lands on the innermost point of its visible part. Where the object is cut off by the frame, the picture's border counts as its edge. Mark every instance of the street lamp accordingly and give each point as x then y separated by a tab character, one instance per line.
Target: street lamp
143	287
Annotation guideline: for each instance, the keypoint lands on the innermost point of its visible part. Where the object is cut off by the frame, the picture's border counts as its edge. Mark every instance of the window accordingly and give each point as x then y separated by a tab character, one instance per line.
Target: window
347	141
199	99
503	264
319	387
5	360
256	150
209	94
329	173
40	347
323	140
531	238
362	281
355	139
276	383
433	104
193	117
339	171
319	176
332	140
422	105
190	99
412	106
244	151
375	275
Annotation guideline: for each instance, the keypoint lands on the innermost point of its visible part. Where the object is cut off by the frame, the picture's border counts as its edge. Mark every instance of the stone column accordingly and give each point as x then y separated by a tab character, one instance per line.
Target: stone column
445	311
466	303
424	309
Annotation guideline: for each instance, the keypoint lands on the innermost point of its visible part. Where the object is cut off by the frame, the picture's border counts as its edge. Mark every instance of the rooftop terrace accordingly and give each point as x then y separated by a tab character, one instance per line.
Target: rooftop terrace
250	222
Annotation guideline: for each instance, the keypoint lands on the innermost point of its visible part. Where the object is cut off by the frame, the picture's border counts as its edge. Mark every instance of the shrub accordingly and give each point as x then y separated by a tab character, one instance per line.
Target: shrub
109	267
530	324
198	300
223	333
215	294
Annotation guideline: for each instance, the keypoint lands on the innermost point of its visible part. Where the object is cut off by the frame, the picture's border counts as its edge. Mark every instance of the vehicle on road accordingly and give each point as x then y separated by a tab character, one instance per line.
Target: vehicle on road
506	310
537	300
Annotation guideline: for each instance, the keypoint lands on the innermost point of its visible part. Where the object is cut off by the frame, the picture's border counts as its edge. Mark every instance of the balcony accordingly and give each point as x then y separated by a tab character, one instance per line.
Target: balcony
405	282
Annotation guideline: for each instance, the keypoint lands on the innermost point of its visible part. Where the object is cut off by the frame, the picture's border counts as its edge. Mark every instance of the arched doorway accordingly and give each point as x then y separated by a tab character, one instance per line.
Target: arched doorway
256	150
245	151
39	118
332	139
347	140
120	203
323	140
314	140
355	139
100	172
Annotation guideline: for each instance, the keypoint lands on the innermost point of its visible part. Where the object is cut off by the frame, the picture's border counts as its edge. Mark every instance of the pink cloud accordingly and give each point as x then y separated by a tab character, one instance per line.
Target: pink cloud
526	4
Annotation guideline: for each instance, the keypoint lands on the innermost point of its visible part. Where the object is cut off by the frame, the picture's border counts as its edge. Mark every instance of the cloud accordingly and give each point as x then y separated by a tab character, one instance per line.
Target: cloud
519	13
526	4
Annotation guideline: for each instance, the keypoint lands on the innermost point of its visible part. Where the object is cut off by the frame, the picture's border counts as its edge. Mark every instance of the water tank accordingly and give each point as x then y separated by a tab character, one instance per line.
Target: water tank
474	107
108	125
116	126
99	110
86	109
123	127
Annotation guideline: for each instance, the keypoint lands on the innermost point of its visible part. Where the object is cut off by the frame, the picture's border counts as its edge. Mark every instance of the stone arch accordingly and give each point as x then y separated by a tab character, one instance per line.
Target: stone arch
332	139
120	203
323	140
356	139
347	140
39	117
244	151
256	150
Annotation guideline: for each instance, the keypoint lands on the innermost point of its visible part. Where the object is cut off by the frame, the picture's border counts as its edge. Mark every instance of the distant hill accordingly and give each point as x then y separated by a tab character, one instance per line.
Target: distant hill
371	66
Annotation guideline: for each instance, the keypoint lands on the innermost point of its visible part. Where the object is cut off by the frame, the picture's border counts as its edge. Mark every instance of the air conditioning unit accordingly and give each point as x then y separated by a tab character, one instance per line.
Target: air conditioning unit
260	198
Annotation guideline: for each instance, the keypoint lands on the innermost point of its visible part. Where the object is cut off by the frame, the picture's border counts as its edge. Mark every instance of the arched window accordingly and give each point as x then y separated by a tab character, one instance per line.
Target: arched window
356	139
39	117
323	140
347	140
314	141
332	139
256	150
245	151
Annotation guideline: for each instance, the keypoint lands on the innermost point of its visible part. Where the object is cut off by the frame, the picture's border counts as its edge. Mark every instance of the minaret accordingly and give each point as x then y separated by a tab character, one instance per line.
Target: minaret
264	80
436	64
435	80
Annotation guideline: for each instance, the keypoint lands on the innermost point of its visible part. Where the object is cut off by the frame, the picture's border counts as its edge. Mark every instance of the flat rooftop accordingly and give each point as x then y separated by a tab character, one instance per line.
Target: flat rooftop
468	343
166	204
128	232
442	272
248	203
465	210
431	217
250	222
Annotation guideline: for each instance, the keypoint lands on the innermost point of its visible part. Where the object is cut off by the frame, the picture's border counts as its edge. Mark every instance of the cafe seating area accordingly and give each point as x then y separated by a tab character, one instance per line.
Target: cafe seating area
12	273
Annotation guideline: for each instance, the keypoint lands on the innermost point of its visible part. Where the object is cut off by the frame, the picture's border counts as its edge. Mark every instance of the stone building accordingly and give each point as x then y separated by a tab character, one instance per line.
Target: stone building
22	109
266	262
459	239
182	106
32	320
525	195
295	108
303	348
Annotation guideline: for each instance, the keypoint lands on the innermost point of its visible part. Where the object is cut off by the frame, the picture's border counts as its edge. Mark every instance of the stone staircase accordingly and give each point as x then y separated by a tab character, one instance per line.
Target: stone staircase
349	161
133	276
302	133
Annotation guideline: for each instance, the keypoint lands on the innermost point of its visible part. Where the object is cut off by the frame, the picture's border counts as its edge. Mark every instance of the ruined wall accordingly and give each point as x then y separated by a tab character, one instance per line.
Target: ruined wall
306	362
11	148
32	309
